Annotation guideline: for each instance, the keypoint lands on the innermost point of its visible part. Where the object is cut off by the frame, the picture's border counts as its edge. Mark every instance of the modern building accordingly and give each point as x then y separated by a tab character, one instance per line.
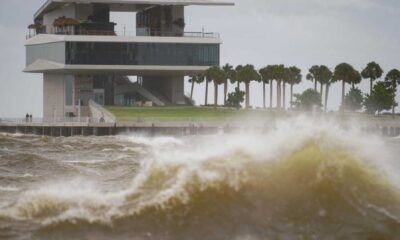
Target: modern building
75	46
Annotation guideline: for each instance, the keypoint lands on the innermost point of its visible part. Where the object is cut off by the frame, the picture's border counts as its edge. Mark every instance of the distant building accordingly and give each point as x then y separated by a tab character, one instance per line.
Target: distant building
82	57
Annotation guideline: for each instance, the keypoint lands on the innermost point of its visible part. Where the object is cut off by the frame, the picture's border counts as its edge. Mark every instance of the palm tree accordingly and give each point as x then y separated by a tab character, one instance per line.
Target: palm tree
247	74
207	79
393	79
313	75
271	92
344	72
325	78
269	72
372	72
266	78
355	78
285	79
228	69
279	74
218	76
237	80
293	76
199	78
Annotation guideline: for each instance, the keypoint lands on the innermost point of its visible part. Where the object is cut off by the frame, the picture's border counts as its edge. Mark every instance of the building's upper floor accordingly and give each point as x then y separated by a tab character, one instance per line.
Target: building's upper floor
92	17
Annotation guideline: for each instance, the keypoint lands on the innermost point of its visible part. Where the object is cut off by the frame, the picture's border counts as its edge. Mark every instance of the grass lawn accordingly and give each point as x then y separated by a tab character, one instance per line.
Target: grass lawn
132	114
182	113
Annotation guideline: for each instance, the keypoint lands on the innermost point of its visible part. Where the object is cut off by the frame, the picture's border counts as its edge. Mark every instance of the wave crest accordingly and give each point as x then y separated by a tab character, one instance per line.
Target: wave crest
299	173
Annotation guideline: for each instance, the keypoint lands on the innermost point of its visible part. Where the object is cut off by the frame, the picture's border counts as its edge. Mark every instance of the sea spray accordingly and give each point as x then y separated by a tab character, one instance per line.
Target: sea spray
305	178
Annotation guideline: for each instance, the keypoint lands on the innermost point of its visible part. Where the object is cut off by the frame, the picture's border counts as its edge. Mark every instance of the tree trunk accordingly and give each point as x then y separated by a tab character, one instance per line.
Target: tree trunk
278	95
352	85
326	97
225	91
191	92
371	86
238	84
206	97
321	89
284	96
264	105
215	95
315	85
394	103
291	96
271	92
247	95
343	93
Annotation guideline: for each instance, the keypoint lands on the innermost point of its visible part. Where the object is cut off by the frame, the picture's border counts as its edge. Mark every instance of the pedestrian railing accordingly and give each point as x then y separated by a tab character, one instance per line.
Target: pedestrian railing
128	33
49	121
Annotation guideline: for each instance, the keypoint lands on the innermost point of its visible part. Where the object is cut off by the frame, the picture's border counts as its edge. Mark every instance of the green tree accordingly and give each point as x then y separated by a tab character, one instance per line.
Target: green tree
321	74
236	78
279	74
285	80
353	100
344	72
199	78
308	100
218	76
325	78
381	98
247	74
266	78
207	80
392	79
268	75
372	72
313	75
355	78
293	76
236	98
230	75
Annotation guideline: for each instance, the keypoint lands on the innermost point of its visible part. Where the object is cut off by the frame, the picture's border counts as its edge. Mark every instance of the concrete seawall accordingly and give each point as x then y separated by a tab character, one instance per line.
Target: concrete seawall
66	130
385	128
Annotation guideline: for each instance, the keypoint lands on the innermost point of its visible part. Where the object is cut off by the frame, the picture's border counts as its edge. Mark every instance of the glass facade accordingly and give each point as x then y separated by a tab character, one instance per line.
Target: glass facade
69	90
163	54
54	52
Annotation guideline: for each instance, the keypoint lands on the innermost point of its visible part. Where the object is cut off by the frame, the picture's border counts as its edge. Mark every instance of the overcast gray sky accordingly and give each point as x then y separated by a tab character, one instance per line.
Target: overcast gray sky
260	32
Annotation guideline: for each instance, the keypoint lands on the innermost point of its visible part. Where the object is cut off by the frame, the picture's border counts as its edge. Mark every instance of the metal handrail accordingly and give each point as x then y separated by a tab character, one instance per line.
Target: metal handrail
127	33
104	113
39	121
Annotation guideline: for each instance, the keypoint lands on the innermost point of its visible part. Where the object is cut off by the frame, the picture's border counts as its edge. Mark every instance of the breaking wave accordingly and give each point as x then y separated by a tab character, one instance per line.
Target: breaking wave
303	178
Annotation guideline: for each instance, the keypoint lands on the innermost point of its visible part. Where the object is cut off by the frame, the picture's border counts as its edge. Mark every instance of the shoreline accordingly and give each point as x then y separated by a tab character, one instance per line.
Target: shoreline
177	128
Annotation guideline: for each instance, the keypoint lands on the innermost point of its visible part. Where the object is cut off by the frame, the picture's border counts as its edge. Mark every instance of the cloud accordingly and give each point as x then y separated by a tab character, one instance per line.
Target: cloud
261	32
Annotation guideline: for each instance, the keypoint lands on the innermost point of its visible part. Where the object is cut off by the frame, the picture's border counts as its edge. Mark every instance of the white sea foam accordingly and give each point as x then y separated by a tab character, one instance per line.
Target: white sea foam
8	189
156	141
176	167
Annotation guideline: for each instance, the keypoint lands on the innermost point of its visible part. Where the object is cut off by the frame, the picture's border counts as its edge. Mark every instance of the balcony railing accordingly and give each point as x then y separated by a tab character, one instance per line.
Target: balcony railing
129	33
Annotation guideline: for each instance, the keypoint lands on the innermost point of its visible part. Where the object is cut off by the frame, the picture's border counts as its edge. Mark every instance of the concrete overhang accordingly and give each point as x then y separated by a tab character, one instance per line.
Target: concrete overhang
51	38
127	5
43	66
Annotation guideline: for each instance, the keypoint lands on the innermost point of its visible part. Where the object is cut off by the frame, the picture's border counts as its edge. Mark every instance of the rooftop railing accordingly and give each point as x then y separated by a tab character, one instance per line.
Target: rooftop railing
128	33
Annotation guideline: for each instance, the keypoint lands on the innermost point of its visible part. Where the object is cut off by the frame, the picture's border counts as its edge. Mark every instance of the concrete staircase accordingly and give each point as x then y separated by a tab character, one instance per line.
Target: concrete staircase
98	113
135	87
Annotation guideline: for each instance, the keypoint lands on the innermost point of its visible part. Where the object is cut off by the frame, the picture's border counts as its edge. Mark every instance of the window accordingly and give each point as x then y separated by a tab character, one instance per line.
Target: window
163	54
69	90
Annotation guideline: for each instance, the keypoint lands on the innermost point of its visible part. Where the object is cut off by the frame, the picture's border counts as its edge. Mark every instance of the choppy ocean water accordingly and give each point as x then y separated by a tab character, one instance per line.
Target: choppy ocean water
302	180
